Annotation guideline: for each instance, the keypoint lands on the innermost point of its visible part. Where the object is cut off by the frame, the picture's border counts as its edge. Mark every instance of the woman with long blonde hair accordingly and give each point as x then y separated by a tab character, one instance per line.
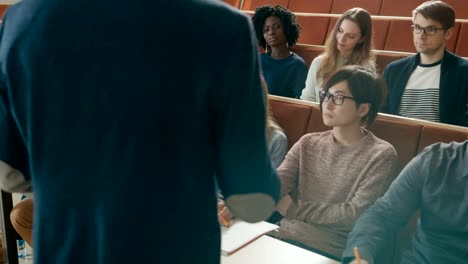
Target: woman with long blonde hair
350	43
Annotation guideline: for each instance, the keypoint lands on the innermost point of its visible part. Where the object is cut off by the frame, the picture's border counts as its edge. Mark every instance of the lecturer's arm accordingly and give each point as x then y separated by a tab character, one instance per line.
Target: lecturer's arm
245	175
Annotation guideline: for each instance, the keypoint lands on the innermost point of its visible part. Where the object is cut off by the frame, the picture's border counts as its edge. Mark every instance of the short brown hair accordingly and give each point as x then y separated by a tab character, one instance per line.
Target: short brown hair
438	11
364	87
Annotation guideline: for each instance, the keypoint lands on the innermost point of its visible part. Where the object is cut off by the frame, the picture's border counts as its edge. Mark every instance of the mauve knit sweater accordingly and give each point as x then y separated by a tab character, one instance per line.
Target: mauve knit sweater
331	185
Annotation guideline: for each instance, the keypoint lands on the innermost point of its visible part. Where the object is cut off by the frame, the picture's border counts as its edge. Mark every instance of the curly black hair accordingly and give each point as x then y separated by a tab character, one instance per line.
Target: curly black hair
291	28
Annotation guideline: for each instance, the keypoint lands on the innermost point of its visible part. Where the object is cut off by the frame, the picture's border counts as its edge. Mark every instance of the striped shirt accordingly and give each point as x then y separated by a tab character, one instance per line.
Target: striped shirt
421	96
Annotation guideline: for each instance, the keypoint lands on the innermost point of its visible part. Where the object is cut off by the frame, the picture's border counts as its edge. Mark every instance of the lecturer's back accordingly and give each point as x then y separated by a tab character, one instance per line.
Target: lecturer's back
122	114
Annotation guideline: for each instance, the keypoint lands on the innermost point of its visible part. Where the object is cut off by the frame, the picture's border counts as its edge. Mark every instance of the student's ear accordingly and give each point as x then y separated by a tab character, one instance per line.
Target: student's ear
448	33
364	109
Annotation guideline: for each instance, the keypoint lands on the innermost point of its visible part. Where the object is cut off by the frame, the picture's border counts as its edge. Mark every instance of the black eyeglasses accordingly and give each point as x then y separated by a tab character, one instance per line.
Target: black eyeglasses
337	99
430	31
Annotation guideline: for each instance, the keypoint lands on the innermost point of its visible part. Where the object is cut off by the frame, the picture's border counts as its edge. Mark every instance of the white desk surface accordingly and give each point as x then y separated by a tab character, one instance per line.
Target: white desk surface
268	250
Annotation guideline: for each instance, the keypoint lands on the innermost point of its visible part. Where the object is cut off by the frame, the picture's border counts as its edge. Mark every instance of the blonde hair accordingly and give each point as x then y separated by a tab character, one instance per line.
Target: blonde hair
361	53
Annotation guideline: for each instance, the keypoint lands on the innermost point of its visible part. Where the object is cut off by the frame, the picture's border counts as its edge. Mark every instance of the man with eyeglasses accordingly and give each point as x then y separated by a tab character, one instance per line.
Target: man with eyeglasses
433	84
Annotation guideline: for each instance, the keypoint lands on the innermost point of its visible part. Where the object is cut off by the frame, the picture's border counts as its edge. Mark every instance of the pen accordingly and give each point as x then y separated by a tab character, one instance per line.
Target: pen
356	255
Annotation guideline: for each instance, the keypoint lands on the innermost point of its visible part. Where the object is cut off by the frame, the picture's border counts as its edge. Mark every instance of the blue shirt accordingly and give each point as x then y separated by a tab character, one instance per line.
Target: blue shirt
436	183
285	77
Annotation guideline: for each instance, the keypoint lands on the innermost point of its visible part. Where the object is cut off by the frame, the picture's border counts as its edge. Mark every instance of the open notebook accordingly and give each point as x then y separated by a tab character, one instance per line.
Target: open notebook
241	233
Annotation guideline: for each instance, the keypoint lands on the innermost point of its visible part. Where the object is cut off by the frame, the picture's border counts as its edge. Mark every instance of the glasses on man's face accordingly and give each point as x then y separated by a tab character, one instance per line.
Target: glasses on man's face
430	31
337	99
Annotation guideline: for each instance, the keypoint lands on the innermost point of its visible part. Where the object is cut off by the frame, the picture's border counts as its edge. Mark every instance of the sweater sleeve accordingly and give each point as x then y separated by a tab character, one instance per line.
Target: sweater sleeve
289	169
342	216
310	90
389	214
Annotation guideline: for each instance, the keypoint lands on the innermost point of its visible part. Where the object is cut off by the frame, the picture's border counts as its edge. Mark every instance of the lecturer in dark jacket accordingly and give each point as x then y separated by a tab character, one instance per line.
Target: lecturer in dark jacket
120	113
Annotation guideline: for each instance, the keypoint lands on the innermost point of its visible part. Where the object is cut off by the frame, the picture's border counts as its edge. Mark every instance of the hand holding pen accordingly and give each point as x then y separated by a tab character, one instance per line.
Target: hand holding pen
357	257
224	215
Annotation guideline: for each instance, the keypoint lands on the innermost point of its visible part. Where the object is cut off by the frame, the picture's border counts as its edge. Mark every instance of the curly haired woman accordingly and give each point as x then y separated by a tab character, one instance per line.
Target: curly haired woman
277	30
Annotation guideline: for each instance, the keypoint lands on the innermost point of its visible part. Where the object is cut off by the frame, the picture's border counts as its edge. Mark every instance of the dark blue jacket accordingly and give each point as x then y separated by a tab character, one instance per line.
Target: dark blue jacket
453	89
120	113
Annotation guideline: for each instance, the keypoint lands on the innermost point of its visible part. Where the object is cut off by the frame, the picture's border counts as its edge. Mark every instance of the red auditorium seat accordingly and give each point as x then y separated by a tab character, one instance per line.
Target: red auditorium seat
331	26
234	3
381	26
406	7
405	141
383	58
460	7
462	46
314	29
252	4
431	135
400	36
399	7
307	52
292	118
340	6
310	6
3	8
451	43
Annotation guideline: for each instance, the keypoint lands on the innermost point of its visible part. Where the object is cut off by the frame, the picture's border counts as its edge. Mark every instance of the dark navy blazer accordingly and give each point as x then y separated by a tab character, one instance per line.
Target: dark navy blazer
120	112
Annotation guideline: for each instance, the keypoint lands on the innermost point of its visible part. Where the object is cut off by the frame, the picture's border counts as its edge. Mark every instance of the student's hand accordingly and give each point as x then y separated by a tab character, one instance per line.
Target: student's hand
363	261
224	215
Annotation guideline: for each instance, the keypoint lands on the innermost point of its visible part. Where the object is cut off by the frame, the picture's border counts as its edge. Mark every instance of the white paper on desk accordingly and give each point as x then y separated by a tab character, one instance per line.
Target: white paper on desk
241	233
